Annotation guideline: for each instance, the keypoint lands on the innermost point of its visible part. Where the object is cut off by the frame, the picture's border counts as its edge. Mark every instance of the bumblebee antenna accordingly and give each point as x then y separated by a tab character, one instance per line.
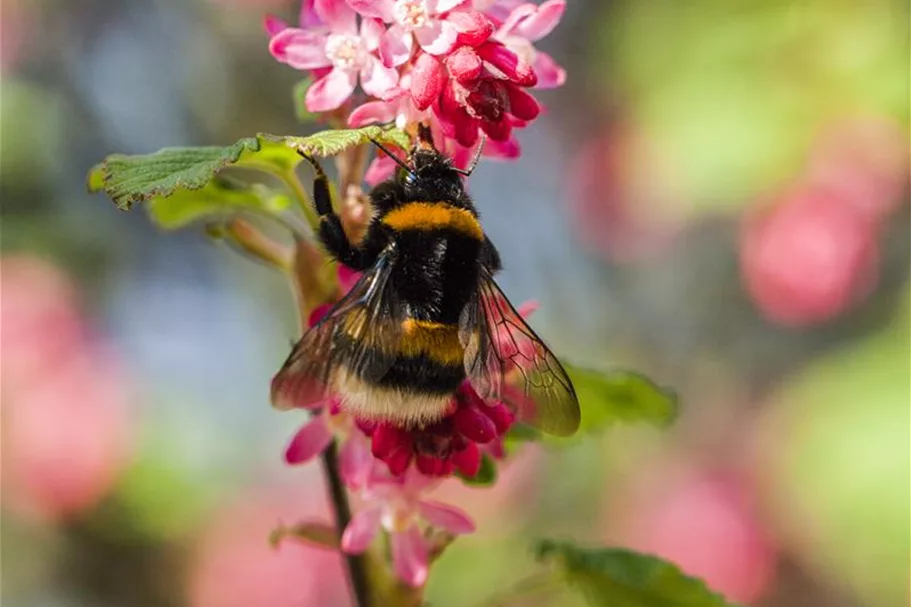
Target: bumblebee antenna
474	161
397	160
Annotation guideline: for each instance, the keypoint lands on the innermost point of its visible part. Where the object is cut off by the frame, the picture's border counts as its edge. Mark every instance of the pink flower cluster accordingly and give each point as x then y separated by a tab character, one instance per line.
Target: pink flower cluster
466	66
813	253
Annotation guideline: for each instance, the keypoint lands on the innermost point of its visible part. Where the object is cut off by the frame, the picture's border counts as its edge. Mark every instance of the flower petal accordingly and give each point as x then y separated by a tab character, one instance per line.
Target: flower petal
543	21
300	49
409	556
464	64
307	18
396	46
550	74
309	441
387	439
427	80
273	25
468	460
503	149
466	129
437	38
507	62
374	8
381	169
519	14
501	417
448	518
522	105
340	17
354	461
473	27
528	307
372	31
497	131
443	6
331	91
398	461
376	78
431	466
361	530
371	113
473	424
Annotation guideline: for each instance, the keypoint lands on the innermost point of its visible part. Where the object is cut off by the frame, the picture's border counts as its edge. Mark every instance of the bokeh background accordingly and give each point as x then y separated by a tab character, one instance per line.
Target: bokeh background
718	197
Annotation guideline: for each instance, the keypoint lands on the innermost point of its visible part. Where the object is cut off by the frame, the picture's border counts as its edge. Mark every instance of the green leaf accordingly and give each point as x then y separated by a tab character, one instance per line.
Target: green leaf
606	398
131	179
620	396
614	577
313	533
299	96
218	198
329	143
487	473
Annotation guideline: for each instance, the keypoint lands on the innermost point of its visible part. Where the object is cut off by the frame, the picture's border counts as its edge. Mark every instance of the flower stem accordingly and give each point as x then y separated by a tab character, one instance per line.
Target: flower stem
357	572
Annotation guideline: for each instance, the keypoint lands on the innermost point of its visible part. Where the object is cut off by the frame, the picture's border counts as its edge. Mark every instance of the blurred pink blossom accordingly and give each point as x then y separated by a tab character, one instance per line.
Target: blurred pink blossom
40	323
620	202
865	161
65	399
808	258
234	565
705	525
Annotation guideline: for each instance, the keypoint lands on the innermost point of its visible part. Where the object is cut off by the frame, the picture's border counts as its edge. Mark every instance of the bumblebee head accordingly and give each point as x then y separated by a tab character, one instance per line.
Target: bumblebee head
430	175
427	170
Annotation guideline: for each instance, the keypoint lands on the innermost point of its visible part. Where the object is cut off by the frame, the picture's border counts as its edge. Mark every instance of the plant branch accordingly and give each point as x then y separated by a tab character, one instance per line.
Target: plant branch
357	572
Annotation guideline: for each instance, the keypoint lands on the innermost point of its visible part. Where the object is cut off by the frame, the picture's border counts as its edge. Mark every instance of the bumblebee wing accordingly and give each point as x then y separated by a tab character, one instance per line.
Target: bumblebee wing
358	335
505	360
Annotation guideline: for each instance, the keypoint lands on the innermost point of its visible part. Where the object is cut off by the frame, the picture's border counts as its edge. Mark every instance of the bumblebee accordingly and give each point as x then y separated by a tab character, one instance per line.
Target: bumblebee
426	314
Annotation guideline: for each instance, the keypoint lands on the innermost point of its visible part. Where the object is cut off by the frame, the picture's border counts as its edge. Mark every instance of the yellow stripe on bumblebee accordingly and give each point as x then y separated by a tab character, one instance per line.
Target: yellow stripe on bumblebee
429	216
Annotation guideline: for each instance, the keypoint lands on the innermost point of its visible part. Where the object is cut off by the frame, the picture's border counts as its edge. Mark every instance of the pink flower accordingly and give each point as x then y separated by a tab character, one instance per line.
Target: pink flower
809	258
422	20
326	423
451	444
398	508
67	425
476	88
705	522
396	106
401	109
528	23
497	10
233	564
335	44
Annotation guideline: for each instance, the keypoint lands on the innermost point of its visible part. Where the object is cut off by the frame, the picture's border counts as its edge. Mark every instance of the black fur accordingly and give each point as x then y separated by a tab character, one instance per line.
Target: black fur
434	274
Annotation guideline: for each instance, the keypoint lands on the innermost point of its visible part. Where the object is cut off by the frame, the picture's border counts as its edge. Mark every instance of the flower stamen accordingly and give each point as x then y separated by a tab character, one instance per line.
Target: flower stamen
345	51
411	14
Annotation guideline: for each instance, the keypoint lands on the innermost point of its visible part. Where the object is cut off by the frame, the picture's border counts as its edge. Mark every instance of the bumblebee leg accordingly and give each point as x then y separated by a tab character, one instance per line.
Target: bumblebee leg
331	233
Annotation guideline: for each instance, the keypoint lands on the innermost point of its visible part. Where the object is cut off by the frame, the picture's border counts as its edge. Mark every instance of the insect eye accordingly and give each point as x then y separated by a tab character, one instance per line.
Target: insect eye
410	178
